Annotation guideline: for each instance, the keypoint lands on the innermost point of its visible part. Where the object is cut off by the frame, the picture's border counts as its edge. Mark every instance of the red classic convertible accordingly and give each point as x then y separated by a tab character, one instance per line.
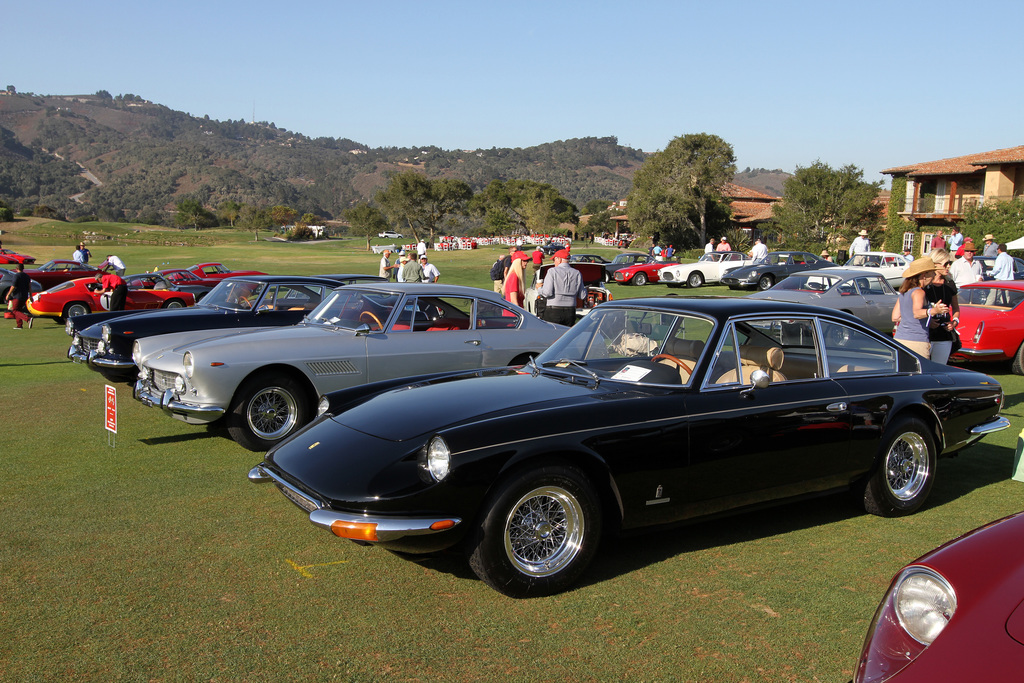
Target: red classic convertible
642	273
992	322
218	271
79	297
8	256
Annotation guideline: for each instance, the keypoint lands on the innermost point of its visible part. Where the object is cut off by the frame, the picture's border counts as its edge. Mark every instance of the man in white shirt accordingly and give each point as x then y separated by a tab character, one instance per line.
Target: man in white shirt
430	271
710	246
421	249
759	252
115	263
861	244
966	270
954	241
386	269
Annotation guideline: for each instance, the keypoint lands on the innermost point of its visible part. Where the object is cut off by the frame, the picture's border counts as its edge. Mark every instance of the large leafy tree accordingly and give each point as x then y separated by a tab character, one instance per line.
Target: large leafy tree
192	213
679	188
423	204
283	215
1003	219
522	206
821	206
365	220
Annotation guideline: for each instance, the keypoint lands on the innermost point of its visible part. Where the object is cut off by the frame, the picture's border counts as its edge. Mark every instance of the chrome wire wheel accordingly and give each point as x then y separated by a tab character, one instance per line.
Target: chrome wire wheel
272	413
907	466
544	531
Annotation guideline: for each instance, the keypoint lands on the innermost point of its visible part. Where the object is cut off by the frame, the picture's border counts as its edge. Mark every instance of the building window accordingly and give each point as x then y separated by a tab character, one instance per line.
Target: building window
908	241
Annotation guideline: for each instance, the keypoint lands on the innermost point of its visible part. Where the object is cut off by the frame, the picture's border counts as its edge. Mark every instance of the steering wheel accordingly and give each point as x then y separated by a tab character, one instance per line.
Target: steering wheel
380	326
675	360
245	302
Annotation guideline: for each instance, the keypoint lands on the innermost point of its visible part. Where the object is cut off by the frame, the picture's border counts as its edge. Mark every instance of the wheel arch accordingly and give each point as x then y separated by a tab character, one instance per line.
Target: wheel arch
291	371
592	466
926	414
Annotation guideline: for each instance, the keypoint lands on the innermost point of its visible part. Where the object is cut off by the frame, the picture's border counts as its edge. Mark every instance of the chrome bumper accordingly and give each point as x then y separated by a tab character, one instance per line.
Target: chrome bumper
169	403
77	355
111	363
981	353
997	424
387	528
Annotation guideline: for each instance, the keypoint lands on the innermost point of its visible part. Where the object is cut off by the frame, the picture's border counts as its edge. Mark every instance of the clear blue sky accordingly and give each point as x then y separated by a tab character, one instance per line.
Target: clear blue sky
875	84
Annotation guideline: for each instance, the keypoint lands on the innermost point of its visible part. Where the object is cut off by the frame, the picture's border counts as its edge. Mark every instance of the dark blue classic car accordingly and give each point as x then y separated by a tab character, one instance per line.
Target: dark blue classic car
648	412
778	265
104	340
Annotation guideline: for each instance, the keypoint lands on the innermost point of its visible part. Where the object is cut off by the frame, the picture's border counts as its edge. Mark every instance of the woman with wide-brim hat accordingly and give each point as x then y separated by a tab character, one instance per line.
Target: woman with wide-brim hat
912	314
942	289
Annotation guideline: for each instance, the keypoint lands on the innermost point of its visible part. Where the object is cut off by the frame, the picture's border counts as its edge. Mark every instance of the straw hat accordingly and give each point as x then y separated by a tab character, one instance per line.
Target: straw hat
919	266
969	245
824	252
990	237
863	233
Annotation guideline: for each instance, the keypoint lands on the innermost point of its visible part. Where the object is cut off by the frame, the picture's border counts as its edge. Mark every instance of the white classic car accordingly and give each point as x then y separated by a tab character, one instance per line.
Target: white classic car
266	382
709	268
886	263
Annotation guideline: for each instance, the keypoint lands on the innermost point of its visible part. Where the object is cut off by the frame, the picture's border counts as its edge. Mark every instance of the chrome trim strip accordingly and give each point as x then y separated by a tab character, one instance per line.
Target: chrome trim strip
977	353
104	362
388	528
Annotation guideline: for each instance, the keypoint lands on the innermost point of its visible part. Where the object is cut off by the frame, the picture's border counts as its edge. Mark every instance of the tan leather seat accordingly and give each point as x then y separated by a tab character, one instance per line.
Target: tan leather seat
753	358
686	350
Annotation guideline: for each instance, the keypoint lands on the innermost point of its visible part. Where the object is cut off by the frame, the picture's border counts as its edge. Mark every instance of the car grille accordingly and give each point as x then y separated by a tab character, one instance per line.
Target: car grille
88	344
668	276
163	380
307	504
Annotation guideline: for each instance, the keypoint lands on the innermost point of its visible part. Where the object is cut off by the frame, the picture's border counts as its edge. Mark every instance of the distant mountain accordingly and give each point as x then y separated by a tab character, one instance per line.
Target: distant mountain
769	182
125	158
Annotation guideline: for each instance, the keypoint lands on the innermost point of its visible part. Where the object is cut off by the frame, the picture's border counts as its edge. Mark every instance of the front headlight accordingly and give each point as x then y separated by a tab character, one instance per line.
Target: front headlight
105	333
76	342
436	458
69	329
136	353
189	363
918	606
322	406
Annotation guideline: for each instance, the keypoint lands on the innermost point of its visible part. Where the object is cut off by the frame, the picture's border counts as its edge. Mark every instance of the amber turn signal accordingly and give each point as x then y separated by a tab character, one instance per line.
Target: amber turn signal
442	525
359	531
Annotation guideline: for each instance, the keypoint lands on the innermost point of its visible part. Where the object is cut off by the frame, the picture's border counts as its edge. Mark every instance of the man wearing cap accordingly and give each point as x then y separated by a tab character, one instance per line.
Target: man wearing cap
562	287
966	270
723	245
991	248
430	271
861	244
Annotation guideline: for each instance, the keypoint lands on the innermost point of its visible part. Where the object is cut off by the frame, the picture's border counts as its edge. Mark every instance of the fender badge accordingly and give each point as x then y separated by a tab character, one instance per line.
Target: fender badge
313	445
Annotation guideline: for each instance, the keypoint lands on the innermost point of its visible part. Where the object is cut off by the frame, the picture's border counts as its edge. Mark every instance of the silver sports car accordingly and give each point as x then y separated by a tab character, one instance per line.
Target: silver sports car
266	382
866	295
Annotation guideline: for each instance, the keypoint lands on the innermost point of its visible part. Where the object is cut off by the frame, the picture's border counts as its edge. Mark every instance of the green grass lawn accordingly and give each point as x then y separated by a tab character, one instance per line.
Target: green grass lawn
153	558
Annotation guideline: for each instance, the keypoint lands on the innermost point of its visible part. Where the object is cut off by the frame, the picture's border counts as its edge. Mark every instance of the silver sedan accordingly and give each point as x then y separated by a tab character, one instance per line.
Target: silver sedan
266	382
865	295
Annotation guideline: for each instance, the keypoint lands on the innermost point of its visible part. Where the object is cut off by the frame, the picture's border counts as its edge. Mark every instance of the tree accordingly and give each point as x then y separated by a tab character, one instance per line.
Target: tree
522	206
365	220
418	202
254	218
1003	219
283	215
191	212
595	206
821	205
228	212
676	189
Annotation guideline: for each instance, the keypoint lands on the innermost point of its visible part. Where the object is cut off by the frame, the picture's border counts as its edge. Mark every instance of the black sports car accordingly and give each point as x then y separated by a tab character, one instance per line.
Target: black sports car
104	340
778	265
647	412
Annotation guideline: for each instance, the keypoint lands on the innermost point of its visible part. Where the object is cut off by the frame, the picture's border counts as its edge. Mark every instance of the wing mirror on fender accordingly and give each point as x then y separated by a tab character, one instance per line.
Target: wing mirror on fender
759	379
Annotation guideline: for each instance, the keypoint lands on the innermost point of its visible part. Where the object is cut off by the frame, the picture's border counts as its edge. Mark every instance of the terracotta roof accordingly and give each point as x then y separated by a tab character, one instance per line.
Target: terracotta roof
734	191
972	163
745	212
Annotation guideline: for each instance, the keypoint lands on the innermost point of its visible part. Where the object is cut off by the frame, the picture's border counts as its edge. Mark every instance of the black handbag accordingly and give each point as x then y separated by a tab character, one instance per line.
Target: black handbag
957	345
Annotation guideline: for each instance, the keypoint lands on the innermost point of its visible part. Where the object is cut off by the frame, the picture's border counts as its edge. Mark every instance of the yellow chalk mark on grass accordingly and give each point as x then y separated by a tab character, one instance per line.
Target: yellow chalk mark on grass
301	569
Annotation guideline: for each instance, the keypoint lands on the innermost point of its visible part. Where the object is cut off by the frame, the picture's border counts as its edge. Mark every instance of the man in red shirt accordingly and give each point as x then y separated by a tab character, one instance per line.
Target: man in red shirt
115	285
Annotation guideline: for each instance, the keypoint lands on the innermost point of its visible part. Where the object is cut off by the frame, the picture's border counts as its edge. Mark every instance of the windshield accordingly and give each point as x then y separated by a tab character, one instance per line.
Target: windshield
235	294
349	308
630	345
872	260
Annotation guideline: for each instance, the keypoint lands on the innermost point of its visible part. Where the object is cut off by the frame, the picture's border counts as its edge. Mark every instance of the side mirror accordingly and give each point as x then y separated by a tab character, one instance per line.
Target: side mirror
759	379
363	330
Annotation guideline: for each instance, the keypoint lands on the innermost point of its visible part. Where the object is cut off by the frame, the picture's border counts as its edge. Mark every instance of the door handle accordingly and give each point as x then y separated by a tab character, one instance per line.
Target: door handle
836	407
474	342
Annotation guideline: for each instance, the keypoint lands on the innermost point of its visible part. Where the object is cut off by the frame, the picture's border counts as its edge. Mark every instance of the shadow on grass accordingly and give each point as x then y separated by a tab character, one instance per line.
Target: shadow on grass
982	465
175	438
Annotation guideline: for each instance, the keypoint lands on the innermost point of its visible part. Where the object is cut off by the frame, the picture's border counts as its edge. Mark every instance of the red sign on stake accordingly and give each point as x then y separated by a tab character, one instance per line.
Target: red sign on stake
111	412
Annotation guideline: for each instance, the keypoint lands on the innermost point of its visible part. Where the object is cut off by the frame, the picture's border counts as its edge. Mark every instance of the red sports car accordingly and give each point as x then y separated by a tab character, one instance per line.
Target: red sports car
642	273
992	322
8	256
54	272
218	271
79	297
955	614
180	276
